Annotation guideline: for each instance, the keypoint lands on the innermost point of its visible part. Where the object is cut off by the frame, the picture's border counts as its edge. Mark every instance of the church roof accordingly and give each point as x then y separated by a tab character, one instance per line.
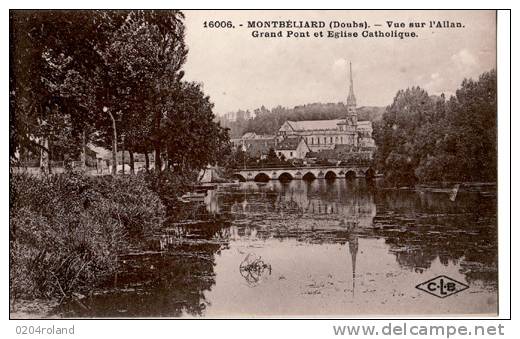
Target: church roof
253	135
309	125
288	144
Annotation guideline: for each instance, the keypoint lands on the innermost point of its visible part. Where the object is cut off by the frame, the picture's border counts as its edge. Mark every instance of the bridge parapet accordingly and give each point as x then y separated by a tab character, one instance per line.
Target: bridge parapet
304	172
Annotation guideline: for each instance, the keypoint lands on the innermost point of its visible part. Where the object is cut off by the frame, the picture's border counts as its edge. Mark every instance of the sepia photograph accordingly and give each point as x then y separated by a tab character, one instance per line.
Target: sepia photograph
239	164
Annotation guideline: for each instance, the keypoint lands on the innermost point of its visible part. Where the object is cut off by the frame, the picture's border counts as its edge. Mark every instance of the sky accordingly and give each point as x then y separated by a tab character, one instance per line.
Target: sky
239	71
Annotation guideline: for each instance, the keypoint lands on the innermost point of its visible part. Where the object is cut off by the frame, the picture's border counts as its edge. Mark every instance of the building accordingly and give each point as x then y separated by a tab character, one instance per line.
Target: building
256	145
339	139
328	134
292	148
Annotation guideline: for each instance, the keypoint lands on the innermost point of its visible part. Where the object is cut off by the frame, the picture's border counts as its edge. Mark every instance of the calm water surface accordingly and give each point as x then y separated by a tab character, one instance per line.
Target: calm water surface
321	248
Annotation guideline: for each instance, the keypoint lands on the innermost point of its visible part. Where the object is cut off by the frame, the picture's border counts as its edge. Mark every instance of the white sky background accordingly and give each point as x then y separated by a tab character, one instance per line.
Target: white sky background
242	72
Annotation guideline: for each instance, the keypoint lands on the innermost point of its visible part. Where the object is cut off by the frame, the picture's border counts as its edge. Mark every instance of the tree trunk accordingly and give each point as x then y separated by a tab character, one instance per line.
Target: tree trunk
156	141
114	156
123	153
44	156
49	163
132	168
158	162
167	160
84	151
146	161
114	145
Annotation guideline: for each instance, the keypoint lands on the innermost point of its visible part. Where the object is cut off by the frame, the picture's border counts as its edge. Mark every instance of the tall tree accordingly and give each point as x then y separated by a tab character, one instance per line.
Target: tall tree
53	68
193	138
395	134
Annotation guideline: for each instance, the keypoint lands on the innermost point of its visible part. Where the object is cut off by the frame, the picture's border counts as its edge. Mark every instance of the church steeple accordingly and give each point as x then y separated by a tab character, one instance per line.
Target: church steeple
351	99
351	106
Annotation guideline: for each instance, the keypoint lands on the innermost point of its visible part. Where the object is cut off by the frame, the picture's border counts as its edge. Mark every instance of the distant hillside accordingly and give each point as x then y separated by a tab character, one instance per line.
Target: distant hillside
269	121
372	113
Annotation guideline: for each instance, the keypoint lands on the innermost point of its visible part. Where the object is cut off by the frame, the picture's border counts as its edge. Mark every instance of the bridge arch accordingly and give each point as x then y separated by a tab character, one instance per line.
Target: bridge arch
330	175
285	177
309	176
370	173
262	177
350	175
239	177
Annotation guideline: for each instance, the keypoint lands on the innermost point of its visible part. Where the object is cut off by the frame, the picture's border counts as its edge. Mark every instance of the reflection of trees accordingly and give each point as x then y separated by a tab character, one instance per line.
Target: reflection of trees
168	281
420	227
353	202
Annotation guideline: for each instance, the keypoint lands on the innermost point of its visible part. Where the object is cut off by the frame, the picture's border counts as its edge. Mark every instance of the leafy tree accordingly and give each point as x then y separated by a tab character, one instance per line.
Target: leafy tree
143	69
194	139
465	146
397	152
32	99
53	75
426	138
272	158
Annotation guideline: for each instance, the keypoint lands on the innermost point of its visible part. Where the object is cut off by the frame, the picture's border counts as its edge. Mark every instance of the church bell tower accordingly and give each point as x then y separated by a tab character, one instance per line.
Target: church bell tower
351	103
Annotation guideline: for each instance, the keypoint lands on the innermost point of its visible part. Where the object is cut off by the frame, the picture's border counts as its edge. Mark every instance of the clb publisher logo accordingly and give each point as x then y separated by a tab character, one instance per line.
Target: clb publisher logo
442	286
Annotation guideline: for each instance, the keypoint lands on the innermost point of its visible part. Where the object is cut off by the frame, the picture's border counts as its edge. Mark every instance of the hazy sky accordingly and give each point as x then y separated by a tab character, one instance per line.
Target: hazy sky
242	72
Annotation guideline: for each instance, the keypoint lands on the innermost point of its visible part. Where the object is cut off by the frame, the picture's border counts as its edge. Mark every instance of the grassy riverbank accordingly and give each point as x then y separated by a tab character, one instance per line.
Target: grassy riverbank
67	230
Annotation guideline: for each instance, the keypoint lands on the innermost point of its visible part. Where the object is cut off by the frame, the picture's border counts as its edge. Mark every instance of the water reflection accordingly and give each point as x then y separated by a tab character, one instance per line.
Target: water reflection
318	248
419	227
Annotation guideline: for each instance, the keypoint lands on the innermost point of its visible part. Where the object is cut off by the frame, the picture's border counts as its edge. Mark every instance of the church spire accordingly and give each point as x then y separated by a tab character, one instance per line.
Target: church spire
351	99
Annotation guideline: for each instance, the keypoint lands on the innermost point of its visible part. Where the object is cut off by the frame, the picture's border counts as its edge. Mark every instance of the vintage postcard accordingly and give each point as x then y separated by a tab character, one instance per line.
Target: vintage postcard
253	164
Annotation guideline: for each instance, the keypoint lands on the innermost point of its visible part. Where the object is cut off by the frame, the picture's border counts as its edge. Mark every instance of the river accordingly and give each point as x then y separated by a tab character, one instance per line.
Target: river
312	249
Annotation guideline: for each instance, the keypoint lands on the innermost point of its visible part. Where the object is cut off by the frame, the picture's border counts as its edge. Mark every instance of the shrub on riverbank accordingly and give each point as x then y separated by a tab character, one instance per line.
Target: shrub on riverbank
169	186
67	230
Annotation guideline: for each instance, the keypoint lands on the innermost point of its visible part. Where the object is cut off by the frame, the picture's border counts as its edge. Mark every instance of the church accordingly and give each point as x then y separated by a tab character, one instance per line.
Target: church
346	134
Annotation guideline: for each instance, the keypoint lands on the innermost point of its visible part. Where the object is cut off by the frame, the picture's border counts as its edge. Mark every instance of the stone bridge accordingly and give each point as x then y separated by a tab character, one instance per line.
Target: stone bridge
304	173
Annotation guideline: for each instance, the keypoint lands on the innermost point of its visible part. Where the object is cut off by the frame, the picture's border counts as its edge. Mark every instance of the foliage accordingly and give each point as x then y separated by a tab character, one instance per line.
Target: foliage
66	231
67	66
272	158
193	140
426	138
267	121
169	186
53	65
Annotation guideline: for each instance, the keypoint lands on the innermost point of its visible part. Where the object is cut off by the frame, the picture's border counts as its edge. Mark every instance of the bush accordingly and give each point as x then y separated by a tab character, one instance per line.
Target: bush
67	230
170	186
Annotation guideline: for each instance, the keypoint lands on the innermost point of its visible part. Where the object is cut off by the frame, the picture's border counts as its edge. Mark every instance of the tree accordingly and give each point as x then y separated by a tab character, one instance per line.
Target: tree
53	73
427	138
107	75
193	139
397	153
465	142
238	158
142	65
272	158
